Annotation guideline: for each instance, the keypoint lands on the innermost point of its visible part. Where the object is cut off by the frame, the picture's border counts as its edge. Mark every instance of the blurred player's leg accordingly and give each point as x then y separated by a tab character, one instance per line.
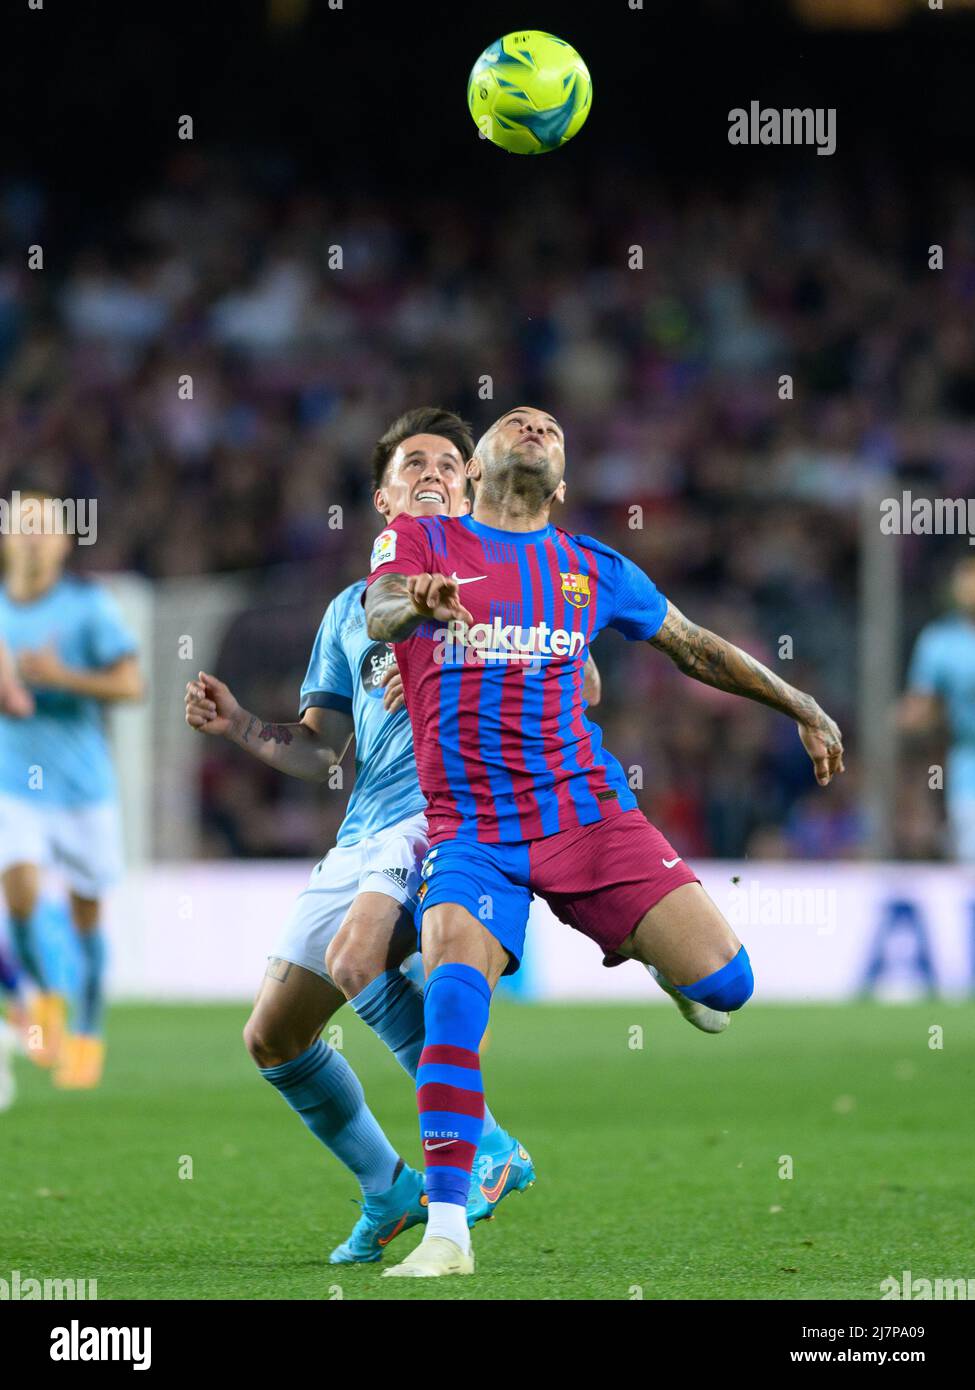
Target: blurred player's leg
11	988
86	843
11	1027
8	1047
82	1059
21	884
464	962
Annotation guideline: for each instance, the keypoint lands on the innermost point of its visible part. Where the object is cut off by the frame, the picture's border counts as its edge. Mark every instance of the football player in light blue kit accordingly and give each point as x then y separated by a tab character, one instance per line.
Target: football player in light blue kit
941	688
64	654
352	927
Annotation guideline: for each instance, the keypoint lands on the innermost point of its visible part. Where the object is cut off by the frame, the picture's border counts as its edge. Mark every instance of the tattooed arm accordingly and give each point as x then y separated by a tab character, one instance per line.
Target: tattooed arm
712	660
308	749
396	604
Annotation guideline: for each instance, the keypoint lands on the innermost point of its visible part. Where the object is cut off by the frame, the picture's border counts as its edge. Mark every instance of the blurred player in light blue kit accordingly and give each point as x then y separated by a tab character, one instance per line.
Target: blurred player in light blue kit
941	689
64	654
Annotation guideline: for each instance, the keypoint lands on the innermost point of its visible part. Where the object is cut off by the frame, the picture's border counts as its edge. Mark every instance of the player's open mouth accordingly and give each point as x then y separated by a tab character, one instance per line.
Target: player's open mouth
431	497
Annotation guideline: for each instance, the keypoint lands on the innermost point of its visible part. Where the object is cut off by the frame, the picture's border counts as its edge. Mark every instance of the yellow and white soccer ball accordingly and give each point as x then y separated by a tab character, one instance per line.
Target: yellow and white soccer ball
529	92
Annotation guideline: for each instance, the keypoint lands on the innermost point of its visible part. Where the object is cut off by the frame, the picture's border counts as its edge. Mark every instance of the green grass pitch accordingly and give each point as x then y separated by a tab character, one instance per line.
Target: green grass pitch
658	1166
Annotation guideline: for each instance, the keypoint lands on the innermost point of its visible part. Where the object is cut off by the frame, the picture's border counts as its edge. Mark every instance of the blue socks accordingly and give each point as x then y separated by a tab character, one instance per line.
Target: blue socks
22	929
726	989
9	974
322	1088
91	995
392	1006
449	1092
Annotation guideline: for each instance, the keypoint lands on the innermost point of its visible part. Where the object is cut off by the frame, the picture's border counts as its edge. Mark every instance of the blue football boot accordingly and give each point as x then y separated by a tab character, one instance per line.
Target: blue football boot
501	1166
385	1216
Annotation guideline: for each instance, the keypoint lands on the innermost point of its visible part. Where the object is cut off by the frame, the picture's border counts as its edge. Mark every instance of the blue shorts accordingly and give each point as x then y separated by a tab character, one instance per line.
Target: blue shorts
490	881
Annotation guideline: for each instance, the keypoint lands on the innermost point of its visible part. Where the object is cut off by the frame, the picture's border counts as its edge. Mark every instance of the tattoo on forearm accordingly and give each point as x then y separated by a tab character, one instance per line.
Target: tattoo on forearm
710	659
267	733
276	733
390	615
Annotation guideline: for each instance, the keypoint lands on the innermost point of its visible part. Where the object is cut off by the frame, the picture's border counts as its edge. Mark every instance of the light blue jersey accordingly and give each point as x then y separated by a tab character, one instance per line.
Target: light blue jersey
59	756
943	664
344	673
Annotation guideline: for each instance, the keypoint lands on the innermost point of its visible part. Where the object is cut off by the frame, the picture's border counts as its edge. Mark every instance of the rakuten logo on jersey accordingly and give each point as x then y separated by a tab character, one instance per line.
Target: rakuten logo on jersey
484	644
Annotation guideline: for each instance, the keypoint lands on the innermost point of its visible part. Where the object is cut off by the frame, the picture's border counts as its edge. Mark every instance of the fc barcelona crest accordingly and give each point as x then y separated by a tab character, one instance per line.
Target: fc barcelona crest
575	589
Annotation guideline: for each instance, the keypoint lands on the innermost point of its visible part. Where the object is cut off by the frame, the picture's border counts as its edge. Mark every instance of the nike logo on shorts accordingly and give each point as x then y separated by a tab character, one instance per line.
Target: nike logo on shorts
669	863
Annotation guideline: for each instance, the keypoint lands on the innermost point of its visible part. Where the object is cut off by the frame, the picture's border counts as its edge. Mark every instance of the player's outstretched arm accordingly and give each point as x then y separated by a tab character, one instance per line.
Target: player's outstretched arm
710	659
396	604
308	749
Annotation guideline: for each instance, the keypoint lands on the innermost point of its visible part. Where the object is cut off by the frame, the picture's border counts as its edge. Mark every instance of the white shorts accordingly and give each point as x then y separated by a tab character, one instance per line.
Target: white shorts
385	863
83	842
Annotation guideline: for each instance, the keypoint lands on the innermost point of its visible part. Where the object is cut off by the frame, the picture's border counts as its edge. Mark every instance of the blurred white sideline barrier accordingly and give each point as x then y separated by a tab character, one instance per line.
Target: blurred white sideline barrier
813	931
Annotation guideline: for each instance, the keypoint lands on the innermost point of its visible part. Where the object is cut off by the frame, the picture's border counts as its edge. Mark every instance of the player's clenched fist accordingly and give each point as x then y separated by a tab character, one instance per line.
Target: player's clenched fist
436	596
210	706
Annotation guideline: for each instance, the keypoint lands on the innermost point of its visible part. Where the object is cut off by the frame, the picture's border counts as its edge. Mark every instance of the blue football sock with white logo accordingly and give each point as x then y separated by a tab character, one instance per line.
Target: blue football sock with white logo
392	1005
91	994
322	1088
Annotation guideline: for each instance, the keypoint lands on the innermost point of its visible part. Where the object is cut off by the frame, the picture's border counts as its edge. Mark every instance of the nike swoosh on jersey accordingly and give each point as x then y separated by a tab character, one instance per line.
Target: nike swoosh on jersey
473	579
669	863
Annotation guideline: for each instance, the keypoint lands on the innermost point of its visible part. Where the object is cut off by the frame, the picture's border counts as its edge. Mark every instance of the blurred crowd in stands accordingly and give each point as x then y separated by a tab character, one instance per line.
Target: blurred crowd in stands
658	327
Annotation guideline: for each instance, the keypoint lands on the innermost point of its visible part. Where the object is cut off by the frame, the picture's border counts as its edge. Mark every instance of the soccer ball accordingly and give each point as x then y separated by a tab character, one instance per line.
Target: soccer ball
529	92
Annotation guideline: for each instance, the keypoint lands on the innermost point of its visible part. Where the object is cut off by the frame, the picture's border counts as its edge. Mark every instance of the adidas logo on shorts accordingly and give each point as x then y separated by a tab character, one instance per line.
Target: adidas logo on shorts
397	875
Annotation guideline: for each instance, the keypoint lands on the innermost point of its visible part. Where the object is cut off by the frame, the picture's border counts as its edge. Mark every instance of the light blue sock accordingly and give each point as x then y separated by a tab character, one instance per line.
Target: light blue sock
392	1006
24	933
91	995
323	1089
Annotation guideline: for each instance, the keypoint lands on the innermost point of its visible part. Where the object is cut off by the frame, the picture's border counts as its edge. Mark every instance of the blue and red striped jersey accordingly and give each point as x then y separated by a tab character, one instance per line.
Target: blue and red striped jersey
504	749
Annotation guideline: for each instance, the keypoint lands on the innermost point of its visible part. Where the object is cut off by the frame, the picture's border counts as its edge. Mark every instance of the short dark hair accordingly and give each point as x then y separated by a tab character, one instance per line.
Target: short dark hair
425	419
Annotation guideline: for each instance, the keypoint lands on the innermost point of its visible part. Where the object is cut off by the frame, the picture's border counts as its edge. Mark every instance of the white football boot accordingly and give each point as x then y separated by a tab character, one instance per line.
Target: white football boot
708	1020
433	1258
